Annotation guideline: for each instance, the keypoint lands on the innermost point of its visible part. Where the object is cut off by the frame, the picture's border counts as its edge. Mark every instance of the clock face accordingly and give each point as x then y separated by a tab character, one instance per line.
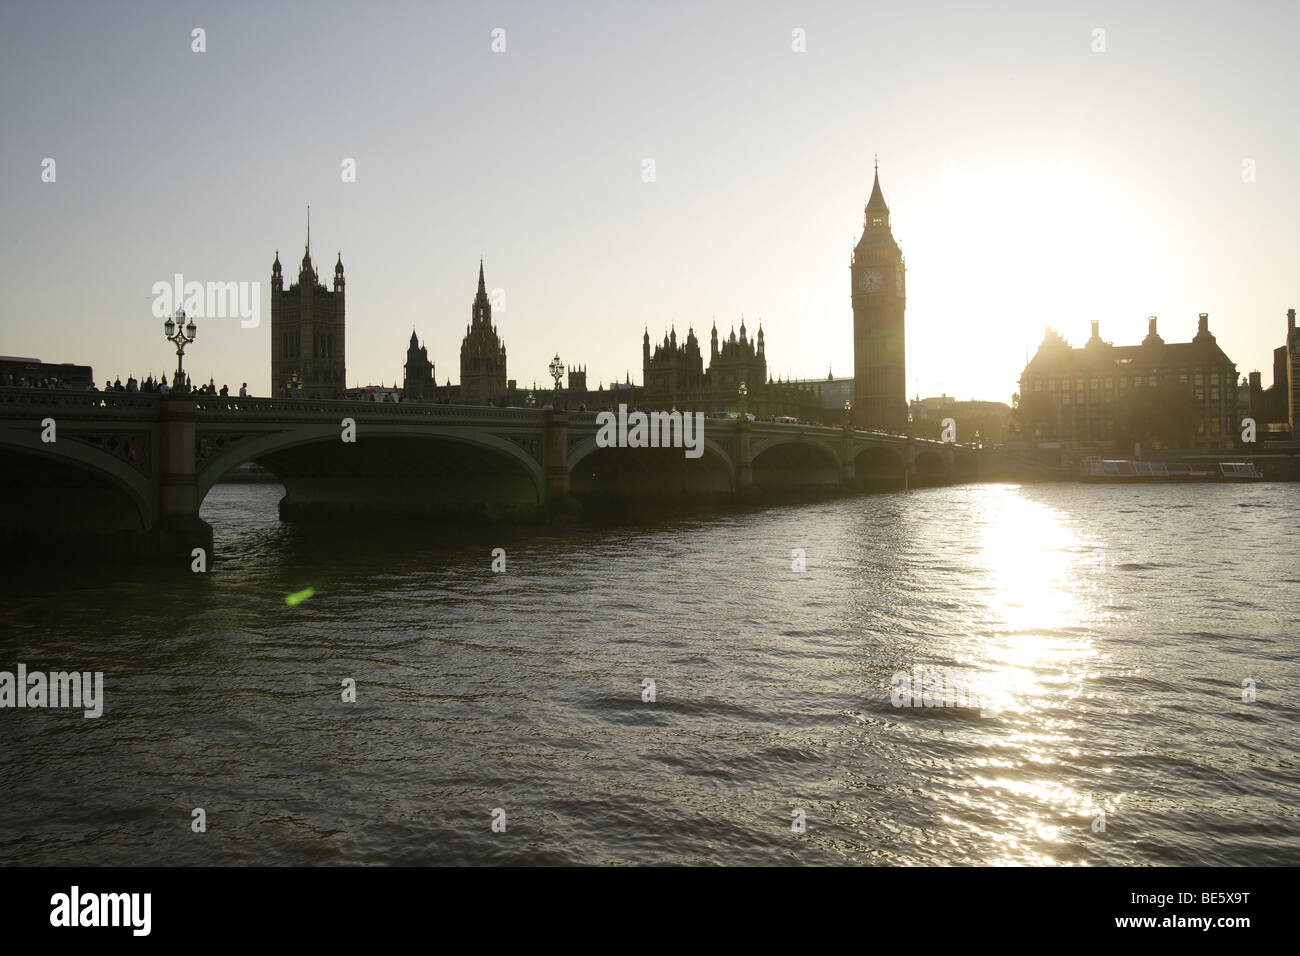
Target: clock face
870	280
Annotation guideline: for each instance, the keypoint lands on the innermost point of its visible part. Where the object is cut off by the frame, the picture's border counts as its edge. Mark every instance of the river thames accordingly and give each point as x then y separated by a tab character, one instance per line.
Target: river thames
1115	637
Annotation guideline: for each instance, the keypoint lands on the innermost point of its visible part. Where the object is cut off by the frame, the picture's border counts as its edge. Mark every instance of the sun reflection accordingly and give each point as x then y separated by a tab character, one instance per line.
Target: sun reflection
1031	559
1040	584
1026	549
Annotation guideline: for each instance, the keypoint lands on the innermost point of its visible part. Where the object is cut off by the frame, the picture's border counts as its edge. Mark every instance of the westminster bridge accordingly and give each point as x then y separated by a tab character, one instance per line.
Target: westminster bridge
126	472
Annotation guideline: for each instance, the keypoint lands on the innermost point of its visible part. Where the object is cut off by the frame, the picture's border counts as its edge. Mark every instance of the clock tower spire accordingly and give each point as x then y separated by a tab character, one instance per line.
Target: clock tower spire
879	296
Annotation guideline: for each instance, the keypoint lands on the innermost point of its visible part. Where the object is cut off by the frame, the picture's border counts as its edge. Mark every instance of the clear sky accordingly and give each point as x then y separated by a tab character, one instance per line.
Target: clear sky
1031	180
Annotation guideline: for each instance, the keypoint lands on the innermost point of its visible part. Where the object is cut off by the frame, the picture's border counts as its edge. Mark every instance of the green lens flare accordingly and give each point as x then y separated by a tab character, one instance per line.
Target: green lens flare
293	600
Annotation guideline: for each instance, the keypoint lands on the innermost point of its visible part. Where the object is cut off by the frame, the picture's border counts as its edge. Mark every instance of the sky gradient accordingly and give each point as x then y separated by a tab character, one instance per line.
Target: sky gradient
1031	180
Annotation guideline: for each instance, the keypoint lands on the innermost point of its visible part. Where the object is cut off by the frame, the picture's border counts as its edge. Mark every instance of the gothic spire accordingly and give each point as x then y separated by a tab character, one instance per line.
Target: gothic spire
306	256
877	201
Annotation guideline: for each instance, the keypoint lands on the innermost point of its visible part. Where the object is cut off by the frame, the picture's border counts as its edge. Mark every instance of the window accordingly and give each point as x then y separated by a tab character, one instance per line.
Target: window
1093	384
1051	384
1214	378
1200	378
1153	380
1038	385
1110	383
1214	393
1200	394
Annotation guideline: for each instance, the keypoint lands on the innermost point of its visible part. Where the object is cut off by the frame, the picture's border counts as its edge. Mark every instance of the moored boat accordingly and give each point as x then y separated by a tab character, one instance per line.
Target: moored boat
1095	468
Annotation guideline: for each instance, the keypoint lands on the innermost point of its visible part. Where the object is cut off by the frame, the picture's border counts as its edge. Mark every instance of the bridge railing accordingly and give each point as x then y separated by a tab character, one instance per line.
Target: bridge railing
22	402
293	409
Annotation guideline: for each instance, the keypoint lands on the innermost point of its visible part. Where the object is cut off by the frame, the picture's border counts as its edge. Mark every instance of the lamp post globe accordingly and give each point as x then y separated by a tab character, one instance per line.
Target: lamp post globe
180	334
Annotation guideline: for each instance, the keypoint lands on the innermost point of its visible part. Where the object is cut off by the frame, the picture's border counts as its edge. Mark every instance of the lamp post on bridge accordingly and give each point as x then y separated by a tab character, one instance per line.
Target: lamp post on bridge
743	391
557	373
180	334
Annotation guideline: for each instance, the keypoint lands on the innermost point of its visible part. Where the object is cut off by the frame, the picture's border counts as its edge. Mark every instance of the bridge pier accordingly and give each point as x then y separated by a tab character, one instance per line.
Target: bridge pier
559	502
848	472
745	488
178	529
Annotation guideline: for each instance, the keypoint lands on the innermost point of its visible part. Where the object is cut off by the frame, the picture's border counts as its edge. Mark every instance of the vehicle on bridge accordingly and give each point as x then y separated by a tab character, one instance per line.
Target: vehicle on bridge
16	372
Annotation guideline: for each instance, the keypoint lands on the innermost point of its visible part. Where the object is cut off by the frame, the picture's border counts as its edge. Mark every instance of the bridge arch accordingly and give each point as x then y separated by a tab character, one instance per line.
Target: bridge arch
932	465
964	468
794	463
880	465
72	485
645	481
407	465
587	446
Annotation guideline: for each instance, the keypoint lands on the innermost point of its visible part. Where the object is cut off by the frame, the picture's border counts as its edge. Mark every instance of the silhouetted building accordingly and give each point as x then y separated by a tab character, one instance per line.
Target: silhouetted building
834	391
1074	397
1274	408
307	331
879	294
1293	370
985	422
577	395
675	377
482	356
417	375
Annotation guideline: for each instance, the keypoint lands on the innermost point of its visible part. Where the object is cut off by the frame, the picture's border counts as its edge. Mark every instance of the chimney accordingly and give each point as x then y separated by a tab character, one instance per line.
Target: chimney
1095	323
1290	320
1204	327
1151	325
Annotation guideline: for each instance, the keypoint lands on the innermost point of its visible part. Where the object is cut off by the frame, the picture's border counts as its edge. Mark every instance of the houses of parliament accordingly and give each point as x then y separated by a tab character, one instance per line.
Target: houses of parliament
307	353
675	376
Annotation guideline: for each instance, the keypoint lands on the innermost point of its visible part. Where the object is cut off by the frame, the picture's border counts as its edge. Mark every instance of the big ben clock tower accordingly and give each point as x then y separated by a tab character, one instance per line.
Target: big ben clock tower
879	297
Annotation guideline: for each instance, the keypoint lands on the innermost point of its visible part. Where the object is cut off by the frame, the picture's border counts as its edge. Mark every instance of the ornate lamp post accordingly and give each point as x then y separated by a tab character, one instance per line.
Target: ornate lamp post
294	384
179	334
848	413
557	373
531	400
743	391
